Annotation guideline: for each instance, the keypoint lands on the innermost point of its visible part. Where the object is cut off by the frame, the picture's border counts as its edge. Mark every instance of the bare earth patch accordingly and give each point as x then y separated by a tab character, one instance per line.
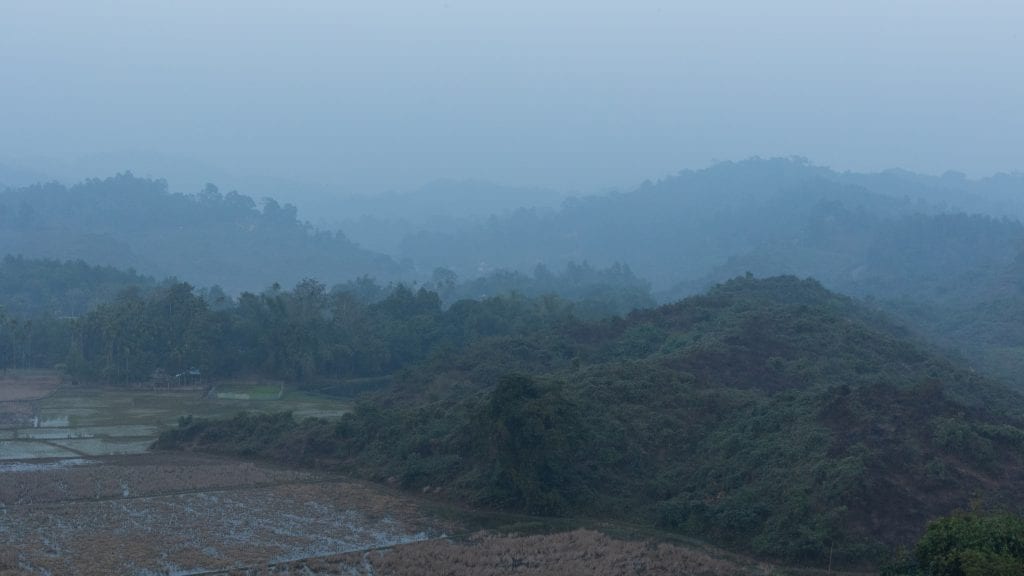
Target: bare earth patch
18	388
25	385
181	514
484	554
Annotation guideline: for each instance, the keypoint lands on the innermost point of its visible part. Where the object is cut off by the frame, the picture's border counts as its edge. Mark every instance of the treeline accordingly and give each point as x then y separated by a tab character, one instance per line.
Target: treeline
306	334
112	326
595	292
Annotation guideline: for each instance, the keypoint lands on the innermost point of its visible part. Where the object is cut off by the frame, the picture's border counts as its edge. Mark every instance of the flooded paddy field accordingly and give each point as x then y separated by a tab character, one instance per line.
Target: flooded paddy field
171	513
44	420
80	493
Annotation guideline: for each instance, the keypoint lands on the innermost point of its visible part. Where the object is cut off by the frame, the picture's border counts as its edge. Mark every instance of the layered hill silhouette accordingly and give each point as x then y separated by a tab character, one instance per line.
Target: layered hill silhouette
32	288
853	231
208	238
942	253
771	416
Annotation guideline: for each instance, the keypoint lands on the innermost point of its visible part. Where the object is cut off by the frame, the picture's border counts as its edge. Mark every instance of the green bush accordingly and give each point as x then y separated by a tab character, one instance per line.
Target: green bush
973	544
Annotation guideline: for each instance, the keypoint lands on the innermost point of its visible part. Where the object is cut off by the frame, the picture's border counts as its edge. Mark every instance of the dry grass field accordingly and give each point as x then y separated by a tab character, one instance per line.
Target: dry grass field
26	385
484	554
19	389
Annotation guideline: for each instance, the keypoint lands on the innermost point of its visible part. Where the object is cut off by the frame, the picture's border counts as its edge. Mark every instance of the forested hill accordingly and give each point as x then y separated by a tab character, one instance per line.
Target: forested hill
767	415
381	221
785	214
47	288
208	239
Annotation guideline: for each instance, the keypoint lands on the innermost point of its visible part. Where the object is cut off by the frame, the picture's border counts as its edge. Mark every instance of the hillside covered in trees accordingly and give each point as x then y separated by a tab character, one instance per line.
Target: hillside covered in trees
208	238
768	415
780	216
46	288
943	254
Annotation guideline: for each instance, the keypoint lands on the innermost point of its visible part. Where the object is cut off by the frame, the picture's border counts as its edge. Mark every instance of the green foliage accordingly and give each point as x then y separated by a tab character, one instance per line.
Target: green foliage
307	334
769	415
973	544
596	293
40	289
891	235
530	433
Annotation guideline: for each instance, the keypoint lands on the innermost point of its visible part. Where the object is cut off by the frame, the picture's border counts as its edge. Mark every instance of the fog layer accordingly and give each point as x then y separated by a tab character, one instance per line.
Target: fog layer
310	100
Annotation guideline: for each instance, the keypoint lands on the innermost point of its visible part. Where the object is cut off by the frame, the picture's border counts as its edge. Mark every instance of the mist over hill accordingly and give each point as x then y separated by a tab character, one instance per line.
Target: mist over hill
48	288
12	176
209	238
931	249
381	221
858	233
681	228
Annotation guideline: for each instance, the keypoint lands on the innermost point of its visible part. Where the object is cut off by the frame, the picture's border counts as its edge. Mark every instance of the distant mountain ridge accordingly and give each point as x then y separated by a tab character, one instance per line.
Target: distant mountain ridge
381	221
208	238
931	248
681	228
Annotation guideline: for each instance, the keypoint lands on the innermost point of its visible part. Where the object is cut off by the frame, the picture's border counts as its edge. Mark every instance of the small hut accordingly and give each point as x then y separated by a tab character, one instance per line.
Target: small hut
189	378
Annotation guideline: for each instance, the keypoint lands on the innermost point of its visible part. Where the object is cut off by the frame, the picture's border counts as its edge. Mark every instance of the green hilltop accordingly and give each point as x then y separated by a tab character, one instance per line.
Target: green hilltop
768	415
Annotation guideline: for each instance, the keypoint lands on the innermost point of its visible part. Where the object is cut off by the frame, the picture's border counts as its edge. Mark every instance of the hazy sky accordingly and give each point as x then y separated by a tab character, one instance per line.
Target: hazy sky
376	95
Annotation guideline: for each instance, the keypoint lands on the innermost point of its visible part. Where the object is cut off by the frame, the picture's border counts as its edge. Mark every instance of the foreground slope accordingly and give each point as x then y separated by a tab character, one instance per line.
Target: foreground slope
769	415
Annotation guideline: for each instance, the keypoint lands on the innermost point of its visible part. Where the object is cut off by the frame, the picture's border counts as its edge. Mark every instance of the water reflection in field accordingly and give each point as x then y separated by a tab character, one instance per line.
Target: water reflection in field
94	422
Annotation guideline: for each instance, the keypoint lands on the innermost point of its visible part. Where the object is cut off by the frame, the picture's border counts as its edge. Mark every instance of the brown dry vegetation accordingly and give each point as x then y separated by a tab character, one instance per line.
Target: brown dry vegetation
173	513
25	385
486	554
137	476
18	388
181	513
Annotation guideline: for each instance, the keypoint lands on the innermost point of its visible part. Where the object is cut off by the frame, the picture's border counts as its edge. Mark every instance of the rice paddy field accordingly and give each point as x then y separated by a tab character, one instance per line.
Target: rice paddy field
41	419
171	513
80	493
189	514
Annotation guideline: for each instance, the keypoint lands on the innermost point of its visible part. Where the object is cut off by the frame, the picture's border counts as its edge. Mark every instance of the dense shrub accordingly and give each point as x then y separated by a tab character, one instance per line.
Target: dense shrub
973	544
